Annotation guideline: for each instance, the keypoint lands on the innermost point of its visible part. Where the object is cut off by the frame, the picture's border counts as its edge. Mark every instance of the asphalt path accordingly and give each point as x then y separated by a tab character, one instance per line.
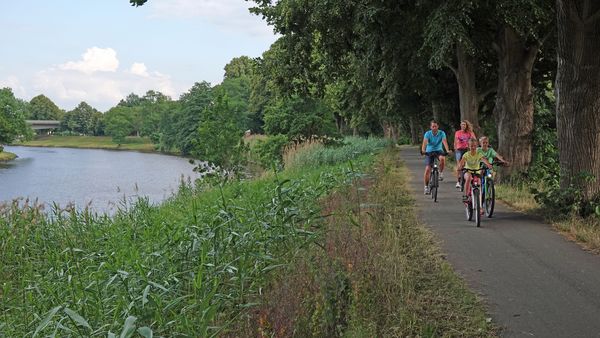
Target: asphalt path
534	281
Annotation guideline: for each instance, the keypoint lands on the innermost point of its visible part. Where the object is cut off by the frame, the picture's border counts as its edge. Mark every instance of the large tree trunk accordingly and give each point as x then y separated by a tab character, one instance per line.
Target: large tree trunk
467	89
415	135
514	100
578	92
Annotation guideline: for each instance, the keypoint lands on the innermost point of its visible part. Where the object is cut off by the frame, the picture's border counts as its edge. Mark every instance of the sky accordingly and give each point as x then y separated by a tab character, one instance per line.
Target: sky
99	51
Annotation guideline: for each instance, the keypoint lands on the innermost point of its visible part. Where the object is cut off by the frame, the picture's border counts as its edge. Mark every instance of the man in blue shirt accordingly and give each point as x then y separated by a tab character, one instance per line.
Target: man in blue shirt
434	143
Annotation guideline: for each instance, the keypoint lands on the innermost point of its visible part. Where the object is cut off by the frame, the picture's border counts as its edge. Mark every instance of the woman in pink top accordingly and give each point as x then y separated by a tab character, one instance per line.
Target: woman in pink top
461	144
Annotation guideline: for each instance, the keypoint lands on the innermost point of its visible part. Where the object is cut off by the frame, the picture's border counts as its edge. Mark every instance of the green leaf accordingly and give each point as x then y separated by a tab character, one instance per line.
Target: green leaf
145	295
46	320
145	332
77	318
129	327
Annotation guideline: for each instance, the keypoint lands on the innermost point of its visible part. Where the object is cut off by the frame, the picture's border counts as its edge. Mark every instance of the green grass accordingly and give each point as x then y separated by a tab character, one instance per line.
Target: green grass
198	264
7	156
188	267
93	142
376	272
518	197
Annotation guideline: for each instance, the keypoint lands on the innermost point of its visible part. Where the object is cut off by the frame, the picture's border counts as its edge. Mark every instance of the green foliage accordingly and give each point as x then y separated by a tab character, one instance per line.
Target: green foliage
352	148
118	124
219	138
83	120
299	116
180	127
42	108
189	267
270	150
12	118
562	202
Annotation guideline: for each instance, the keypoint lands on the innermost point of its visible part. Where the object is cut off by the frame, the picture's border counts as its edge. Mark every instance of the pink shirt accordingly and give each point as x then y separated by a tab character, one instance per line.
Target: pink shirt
461	139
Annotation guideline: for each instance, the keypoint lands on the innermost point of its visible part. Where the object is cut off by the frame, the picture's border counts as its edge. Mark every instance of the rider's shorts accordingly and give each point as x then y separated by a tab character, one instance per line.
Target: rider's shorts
458	153
430	156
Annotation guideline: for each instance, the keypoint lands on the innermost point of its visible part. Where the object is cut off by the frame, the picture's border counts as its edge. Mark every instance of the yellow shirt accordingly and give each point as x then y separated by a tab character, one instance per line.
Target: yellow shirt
473	161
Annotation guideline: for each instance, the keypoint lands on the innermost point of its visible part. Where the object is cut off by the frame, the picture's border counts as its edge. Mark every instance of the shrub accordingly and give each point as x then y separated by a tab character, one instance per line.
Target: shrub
270	150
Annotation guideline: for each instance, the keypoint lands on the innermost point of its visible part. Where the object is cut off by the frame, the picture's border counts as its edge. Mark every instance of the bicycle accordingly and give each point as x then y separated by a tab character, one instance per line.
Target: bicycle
473	203
434	176
488	190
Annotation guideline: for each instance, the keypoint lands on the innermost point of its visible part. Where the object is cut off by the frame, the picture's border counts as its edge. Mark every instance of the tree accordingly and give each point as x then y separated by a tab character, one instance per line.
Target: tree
82	120
219	138
118	124
578	93
179	128
12	118
523	26
42	108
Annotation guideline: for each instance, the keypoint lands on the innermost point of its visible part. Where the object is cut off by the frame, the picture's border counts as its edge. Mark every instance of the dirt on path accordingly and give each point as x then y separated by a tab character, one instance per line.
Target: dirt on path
535	282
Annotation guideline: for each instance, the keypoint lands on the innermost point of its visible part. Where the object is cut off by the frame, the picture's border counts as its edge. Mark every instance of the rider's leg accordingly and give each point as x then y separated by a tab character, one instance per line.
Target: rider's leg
442	163
457	157
468	184
426	175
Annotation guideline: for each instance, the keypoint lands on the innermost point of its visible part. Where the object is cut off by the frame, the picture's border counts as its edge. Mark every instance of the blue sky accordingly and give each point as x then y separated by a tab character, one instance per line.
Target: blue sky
99	51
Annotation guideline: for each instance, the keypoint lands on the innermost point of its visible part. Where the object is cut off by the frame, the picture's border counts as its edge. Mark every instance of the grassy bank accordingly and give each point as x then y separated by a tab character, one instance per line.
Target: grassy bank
92	142
190	267
586	232
376	272
7	156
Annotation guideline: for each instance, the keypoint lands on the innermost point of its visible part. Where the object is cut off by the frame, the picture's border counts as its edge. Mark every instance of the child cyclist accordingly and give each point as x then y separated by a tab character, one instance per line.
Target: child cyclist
471	160
434	143
489	152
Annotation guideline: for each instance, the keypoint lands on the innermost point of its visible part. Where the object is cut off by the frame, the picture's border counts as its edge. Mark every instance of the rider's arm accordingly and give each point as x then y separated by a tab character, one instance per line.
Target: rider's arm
445	143
461	164
501	158
425	141
487	163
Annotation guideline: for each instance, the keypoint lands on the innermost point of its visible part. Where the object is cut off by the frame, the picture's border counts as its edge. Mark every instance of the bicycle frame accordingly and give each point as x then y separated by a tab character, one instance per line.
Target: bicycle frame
473	205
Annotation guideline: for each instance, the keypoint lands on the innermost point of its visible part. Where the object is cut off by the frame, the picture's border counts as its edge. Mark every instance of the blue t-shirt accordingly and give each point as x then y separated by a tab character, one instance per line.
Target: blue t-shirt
434	142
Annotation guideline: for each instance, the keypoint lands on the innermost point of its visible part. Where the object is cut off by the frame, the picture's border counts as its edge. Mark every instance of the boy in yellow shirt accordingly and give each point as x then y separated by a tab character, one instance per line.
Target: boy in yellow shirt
471	160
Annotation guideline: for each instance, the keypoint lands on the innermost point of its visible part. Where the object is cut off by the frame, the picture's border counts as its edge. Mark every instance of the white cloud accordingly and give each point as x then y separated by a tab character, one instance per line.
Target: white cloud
231	15
13	82
68	86
140	69
94	60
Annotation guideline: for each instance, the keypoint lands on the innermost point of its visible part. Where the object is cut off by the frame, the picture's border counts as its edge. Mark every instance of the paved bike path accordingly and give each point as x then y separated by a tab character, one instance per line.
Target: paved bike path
535	282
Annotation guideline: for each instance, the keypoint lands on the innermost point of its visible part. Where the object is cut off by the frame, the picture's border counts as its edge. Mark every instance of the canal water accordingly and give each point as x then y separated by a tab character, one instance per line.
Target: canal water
100	179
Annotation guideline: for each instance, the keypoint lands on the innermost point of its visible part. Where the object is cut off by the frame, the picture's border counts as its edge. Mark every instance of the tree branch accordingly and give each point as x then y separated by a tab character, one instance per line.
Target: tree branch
453	69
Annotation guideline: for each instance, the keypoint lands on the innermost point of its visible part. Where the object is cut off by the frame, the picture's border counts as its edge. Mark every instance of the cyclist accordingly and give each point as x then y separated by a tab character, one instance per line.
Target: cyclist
461	144
471	160
489	152
434	143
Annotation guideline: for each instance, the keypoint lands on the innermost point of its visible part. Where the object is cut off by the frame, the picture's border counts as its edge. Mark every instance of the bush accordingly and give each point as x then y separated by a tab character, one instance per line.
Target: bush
270	150
570	200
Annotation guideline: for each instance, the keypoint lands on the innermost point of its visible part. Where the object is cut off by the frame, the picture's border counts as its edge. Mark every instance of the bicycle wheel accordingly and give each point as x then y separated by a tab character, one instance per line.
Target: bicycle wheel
469	210
434	190
490	198
476	206
462	182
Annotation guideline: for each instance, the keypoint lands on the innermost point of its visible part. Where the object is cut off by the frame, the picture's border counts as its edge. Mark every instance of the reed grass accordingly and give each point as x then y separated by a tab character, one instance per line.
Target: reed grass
188	267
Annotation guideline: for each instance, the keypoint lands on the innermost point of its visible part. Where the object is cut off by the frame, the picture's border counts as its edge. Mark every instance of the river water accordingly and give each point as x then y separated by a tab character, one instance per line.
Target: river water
101	179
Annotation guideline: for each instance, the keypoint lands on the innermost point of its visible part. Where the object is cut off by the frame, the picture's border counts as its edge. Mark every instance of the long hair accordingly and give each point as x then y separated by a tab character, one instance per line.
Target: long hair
469	128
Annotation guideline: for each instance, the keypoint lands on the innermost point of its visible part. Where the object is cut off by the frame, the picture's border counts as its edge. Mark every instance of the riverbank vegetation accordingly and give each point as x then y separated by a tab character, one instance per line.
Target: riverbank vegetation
90	142
7	156
210	260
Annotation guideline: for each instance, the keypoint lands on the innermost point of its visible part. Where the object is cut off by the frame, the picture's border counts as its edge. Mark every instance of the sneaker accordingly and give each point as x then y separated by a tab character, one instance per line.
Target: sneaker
457	185
441	177
427	191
